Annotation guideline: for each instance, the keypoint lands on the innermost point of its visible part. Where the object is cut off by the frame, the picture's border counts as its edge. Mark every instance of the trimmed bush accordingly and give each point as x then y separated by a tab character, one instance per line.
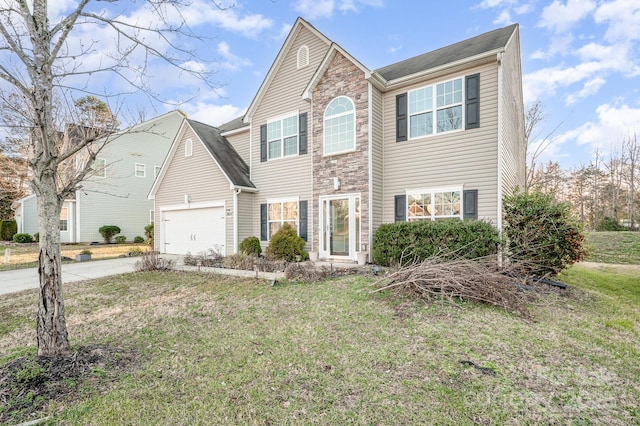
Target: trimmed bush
148	232
286	245
121	239
8	228
402	243
36	237
108	232
251	246
609	224
23	238
138	239
542	235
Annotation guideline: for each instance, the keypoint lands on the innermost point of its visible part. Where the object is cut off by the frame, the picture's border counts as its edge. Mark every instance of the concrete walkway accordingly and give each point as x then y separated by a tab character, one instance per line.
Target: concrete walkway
24	279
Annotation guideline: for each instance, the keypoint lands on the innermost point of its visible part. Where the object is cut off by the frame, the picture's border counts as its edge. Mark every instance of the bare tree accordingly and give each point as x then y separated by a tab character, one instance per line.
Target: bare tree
631	149
45	65
535	142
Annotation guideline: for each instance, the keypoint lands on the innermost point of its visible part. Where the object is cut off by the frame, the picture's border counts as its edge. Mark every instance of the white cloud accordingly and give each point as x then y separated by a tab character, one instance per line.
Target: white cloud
623	17
560	17
231	61
590	88
544	82
312	9
212	114
504	18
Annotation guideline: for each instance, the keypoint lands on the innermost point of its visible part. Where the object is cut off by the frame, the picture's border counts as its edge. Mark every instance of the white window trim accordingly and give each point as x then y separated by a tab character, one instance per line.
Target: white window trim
144	170
281	201
433	191
434	109
324	134
188	148
104	168
281	118
65	220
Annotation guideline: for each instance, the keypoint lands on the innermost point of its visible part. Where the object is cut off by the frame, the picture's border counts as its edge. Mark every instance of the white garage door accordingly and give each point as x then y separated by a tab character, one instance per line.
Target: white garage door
193	230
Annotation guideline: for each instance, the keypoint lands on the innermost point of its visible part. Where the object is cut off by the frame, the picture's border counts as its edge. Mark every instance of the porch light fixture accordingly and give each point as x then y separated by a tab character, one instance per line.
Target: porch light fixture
336	183
187	199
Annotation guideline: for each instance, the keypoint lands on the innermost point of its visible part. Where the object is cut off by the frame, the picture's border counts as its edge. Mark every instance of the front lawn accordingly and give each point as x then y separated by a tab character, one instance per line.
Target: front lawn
207	349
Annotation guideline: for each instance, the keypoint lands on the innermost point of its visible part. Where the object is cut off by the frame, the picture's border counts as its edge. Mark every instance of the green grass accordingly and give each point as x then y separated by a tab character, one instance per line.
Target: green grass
614	247
221	350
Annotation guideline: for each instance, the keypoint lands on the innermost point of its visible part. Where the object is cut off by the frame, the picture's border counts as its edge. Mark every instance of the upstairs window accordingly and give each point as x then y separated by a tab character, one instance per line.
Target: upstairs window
99	167
140	170
442	101
339	126
282	137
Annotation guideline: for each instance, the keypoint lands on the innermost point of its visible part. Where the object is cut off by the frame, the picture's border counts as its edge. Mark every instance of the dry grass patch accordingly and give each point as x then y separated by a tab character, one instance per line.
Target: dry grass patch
223	350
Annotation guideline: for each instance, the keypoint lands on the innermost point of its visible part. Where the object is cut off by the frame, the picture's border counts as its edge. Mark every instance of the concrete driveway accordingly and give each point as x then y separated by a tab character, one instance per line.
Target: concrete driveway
24	279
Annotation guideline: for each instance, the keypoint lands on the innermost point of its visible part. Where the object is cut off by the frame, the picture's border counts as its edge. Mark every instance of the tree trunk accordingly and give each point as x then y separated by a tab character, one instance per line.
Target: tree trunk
51	323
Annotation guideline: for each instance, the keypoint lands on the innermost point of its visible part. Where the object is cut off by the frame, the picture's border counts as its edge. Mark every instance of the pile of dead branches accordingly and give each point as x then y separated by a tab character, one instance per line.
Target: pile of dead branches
478	280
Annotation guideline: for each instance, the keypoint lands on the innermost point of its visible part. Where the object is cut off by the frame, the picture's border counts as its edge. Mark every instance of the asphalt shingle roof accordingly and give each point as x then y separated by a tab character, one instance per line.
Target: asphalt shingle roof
229	160
486	42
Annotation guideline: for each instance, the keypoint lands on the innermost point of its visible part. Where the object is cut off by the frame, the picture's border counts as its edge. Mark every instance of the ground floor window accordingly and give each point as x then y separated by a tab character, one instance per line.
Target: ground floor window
64	219
434	204
282	212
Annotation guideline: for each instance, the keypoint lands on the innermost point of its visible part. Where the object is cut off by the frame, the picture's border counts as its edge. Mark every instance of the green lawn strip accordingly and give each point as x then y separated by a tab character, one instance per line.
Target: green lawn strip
614	247
221	350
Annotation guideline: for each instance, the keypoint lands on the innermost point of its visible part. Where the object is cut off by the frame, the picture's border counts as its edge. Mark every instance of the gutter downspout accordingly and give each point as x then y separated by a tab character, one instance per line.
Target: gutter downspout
500	147
235	219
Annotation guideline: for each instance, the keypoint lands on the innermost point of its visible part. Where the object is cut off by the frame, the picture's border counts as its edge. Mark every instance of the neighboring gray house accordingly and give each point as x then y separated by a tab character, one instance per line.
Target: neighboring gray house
117	193
336	149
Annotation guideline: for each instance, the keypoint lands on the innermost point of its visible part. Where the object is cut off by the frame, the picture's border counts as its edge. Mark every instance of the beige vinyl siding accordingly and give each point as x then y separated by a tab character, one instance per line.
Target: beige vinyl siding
466	157
240	142
120	198
513	146
197	176
289	176
377	157
245	216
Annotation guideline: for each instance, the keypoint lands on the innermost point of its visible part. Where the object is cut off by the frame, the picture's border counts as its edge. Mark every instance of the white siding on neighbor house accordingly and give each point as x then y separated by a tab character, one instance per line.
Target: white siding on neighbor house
513	145
28	221
120	198
466	157
197	177
289	176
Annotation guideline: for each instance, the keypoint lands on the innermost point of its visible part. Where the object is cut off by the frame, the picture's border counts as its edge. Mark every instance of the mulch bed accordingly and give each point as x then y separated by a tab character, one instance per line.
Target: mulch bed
29	383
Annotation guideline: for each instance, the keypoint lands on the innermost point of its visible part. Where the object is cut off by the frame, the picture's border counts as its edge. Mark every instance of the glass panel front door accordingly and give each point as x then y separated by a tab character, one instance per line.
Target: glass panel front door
340	219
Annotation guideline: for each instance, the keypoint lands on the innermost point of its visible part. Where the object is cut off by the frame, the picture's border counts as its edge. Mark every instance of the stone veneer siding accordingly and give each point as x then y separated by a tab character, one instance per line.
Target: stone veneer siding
342	78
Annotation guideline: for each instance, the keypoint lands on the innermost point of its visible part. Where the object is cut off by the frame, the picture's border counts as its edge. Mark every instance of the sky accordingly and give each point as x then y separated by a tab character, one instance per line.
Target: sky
580	58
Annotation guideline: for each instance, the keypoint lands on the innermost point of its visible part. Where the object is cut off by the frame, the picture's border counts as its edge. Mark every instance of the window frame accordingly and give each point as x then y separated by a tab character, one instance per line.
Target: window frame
104	167
432	193
435	109
64	228
295	116
144	170
282	221
334	116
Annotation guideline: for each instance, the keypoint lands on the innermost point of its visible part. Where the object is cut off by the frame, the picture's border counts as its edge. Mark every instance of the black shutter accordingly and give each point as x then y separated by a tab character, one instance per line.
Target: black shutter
302	219
264	236
263	142
302	129
470	204
472	90
401	117
401	208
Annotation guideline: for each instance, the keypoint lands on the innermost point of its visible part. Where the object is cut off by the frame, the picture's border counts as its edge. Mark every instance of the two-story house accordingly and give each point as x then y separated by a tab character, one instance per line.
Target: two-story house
116	192
336	149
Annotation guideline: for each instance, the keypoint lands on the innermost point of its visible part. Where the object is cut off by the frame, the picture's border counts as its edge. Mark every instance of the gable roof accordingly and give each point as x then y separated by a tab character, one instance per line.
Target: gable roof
233	125
484	43
229	161
278	62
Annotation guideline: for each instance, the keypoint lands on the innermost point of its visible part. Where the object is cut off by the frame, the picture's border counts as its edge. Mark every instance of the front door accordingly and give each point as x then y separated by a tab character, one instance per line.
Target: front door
340	225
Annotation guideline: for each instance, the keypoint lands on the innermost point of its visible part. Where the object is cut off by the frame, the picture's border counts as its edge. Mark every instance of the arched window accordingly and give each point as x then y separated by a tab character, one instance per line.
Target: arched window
339	126
303	56
188	148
